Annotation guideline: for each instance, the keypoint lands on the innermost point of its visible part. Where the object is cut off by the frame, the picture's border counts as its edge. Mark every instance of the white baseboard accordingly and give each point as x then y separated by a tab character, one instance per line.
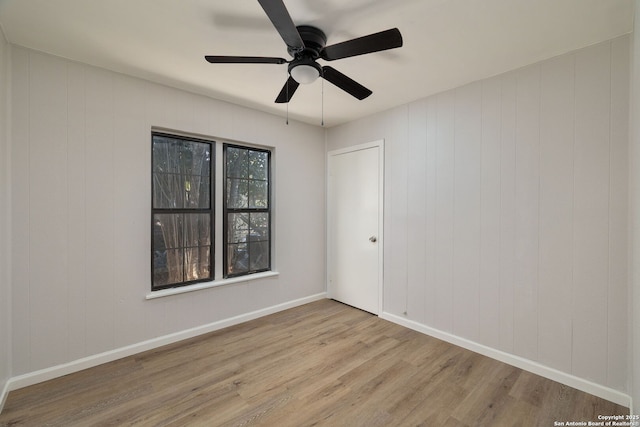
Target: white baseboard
519	362
109	356
3	396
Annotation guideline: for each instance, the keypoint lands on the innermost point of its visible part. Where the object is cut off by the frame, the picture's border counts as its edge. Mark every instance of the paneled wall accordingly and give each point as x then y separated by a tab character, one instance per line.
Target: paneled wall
506	211
5	226
81	153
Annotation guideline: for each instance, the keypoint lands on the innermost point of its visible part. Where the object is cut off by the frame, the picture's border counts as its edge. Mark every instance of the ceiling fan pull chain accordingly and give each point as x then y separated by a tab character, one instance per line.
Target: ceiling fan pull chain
322	106
287	86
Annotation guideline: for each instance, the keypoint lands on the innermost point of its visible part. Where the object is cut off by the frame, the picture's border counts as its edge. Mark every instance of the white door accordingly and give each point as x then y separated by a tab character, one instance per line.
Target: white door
355	226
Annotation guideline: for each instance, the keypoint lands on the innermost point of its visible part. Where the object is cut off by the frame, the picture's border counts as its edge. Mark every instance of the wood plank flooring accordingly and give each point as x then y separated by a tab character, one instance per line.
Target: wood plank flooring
323	363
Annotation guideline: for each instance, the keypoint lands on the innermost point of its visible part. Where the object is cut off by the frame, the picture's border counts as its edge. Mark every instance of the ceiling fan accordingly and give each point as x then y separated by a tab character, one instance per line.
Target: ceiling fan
306	44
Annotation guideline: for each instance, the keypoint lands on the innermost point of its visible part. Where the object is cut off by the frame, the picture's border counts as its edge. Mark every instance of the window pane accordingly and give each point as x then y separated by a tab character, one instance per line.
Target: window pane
237	258
179	169
259	230
166	153
197	263
195	158
258	255
258	194
237	227
167	267
237	194
168	231
177	192
197	230
196	192
160	269
167	191
237	162
258	165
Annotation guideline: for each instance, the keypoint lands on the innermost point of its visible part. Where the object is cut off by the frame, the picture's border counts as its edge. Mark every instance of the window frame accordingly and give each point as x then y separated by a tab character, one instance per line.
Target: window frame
226	211
177	211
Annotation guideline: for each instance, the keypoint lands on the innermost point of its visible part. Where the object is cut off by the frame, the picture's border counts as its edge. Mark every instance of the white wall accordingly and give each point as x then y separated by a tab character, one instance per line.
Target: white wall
81	210
5	227
506	211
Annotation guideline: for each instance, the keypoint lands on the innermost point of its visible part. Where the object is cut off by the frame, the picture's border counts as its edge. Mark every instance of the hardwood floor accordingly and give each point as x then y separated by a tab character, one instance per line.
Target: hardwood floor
323	363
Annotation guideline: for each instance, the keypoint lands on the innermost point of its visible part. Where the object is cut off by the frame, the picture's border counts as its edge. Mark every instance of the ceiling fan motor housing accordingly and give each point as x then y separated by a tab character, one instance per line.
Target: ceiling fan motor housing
314	41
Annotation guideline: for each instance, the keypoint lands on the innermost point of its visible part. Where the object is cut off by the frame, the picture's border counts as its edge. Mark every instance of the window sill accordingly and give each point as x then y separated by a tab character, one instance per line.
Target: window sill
208	285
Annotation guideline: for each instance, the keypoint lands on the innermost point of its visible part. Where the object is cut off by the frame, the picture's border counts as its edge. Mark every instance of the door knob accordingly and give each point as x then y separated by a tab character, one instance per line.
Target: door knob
373	239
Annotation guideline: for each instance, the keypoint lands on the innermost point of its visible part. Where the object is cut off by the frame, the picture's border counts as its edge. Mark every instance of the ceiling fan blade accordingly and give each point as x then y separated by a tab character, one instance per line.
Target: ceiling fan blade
287	91
389	39
217	59
345	83
280	18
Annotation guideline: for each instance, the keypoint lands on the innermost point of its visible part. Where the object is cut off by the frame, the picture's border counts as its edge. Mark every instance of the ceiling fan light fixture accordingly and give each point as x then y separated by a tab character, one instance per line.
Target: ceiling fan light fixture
305	74
305	71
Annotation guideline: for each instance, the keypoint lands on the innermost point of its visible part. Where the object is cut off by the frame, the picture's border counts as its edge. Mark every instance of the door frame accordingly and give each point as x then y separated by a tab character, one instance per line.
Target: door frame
330	155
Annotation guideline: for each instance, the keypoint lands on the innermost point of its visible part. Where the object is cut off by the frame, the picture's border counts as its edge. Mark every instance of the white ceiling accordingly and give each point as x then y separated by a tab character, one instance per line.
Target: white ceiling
447	43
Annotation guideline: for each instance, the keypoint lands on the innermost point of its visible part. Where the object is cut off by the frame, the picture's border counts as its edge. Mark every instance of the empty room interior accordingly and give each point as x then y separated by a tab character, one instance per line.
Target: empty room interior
268	212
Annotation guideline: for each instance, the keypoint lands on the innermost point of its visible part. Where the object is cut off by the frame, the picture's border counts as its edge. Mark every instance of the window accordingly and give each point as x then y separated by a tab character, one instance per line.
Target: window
184	207
182	212
247	211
